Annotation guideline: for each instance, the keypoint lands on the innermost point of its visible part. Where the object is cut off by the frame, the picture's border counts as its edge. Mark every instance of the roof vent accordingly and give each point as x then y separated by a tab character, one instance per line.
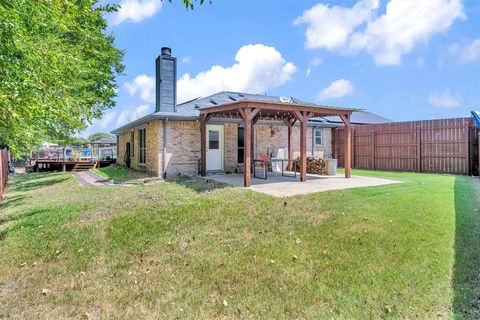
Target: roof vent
286	99
196	106
166	51
212	102
241	95
232	98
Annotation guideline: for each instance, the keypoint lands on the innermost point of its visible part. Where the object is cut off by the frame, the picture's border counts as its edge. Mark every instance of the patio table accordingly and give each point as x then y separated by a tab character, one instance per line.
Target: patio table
271	160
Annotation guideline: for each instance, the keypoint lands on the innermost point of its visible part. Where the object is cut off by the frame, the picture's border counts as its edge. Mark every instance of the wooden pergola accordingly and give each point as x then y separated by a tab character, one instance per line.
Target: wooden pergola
289	113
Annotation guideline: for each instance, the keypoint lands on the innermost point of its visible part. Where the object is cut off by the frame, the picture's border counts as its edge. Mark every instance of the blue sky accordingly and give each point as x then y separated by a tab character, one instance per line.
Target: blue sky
402	59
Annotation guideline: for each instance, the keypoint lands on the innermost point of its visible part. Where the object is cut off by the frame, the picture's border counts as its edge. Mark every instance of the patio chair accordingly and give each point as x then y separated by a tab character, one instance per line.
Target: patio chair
267	164
264	165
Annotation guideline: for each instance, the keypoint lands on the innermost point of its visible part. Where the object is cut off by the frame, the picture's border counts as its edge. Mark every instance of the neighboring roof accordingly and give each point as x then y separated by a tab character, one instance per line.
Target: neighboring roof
360	117
109	140
189	110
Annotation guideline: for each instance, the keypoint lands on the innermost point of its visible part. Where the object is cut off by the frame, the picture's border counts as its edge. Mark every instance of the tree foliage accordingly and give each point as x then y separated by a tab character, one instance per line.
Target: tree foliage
57	68
98	135
189	4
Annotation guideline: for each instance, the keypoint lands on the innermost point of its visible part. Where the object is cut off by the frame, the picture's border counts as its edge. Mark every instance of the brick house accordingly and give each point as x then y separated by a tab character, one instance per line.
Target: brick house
167	142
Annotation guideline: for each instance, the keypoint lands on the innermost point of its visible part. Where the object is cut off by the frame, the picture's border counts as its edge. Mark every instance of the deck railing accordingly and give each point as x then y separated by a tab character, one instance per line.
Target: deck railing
76	154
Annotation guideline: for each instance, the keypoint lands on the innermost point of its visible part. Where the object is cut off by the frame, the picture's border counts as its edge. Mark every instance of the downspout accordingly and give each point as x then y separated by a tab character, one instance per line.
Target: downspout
164	162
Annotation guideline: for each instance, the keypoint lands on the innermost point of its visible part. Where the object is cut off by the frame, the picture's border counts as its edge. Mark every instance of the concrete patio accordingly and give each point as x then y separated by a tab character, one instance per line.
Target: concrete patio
279	186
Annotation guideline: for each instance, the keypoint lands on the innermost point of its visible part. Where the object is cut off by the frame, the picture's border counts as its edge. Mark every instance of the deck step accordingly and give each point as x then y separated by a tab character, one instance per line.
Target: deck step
84	166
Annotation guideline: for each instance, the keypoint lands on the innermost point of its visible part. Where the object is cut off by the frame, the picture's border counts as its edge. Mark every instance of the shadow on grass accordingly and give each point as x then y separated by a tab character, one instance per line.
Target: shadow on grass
33	181
466	269
200	185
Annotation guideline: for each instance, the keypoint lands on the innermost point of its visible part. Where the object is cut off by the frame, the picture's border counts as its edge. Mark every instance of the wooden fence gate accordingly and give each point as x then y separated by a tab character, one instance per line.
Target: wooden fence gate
4	158
441	146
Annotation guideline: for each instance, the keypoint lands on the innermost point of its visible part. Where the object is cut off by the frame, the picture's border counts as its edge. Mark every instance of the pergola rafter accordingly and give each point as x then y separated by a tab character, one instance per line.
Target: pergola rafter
289	113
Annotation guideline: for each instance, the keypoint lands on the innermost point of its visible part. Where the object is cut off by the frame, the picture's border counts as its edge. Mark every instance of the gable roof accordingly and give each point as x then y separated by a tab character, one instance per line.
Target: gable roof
189	110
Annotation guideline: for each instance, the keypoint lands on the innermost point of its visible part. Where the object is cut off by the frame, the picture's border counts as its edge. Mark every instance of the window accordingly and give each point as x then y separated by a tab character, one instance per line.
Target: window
213	139
240	145
318	136
132	143
142	145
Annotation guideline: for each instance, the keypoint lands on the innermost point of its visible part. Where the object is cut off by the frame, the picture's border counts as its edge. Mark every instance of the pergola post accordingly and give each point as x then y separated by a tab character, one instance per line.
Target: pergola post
347	145
290	145
303	151
203	144
248	114
303	117
247	144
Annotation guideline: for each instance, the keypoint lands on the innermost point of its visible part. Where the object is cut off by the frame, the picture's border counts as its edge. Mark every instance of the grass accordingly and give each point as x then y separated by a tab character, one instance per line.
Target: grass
170	250
120	174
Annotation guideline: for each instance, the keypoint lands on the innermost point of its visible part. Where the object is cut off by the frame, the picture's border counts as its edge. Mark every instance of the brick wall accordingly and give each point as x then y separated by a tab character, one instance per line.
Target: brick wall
152	151
264	139
231	145
183	145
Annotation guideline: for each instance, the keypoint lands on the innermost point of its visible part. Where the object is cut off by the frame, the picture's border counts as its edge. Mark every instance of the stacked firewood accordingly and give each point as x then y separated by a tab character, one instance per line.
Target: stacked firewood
315	166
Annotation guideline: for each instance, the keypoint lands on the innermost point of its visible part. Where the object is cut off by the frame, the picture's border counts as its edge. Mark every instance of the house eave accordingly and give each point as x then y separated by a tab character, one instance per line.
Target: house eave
151	117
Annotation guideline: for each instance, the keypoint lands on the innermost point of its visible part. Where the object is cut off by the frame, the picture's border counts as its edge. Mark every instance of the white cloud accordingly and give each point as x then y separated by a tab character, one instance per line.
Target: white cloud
144	86
315	62
128	115
135	10
466	54
107	119
330	27
186	60
444	100
258	68
386	37
337	89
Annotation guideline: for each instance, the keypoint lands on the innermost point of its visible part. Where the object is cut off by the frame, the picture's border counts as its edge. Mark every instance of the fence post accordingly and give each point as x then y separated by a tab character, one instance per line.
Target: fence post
373	149
478	167
419	148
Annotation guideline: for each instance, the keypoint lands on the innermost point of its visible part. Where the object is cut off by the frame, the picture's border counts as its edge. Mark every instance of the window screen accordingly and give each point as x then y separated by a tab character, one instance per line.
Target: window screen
213	139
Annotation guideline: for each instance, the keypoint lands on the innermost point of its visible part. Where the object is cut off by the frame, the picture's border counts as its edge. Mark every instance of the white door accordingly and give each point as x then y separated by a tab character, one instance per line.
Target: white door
214	148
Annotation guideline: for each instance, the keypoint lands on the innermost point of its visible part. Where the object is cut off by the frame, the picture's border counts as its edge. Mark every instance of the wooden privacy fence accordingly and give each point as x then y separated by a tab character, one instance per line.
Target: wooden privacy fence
4	158
442	146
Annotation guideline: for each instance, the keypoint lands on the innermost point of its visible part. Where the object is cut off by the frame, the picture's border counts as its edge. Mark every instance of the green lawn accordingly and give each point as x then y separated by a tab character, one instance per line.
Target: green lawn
170	250
120	174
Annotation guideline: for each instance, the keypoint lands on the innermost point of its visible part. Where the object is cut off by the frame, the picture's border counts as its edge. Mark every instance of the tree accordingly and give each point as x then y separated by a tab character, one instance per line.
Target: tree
57	69
189	3
98	135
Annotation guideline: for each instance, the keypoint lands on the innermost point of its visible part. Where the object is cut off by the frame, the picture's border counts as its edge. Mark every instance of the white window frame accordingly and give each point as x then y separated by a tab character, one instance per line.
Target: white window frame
318	130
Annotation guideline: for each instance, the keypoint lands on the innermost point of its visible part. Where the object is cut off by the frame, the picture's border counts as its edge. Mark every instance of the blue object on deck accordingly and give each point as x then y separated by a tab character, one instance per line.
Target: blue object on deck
476	116
85	153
